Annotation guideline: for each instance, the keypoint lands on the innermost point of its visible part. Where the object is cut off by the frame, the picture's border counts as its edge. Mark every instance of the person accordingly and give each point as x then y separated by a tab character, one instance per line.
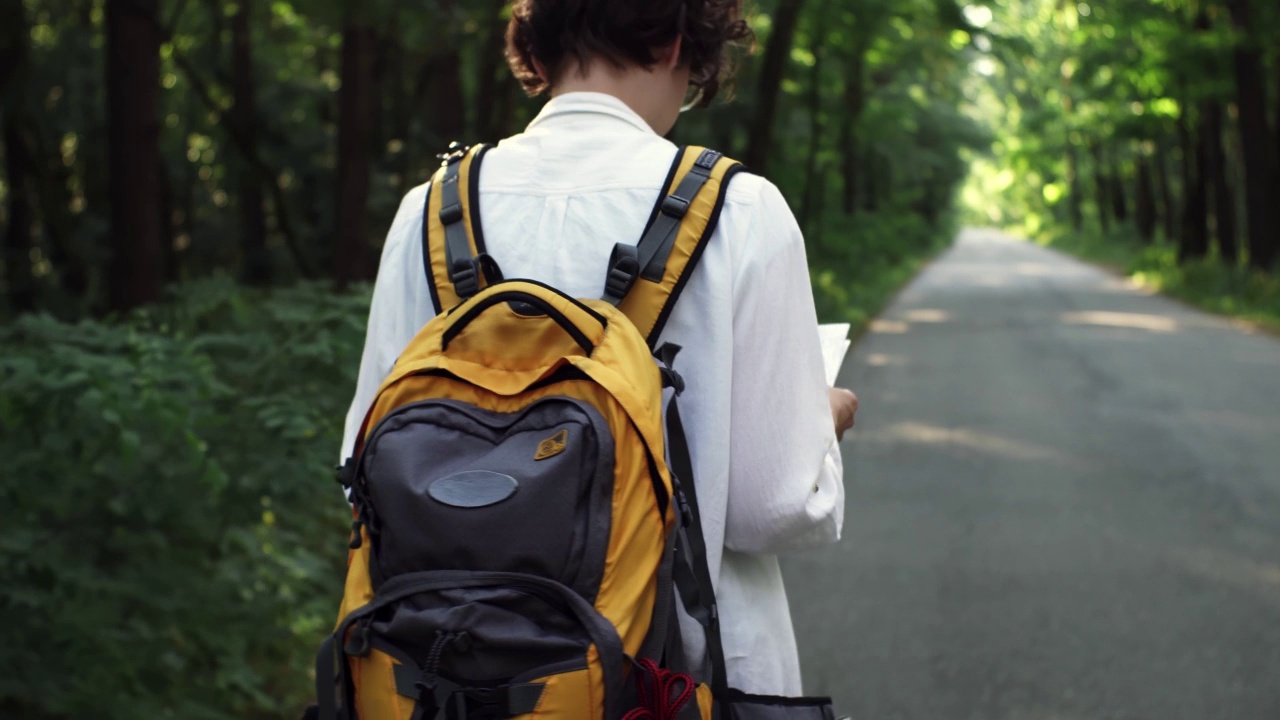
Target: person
763	425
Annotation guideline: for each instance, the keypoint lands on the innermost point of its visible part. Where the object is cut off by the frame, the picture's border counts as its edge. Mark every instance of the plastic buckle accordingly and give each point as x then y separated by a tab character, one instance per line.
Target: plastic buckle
451	214
454	154
358	642
619	283
675	206
624	269
686	512
465	279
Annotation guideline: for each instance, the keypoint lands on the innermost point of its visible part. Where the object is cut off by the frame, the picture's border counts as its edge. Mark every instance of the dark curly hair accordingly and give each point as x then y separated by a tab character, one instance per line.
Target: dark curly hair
625	32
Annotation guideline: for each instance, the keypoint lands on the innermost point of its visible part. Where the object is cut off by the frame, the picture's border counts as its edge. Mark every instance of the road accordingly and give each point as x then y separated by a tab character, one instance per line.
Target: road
1063	503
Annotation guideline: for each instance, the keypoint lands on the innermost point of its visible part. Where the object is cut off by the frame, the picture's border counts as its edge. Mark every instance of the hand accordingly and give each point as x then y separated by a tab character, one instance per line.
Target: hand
844	409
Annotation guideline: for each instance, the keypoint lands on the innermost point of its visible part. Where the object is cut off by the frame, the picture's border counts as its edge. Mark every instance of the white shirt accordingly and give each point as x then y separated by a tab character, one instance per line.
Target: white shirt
584	175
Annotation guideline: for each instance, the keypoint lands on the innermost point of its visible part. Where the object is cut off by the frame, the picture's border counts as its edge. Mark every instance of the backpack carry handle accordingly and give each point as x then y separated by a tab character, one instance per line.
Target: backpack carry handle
561	315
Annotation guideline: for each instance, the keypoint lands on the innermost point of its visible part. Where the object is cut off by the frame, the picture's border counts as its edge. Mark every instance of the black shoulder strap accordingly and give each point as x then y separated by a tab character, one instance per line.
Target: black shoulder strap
645	280
452	239
691	573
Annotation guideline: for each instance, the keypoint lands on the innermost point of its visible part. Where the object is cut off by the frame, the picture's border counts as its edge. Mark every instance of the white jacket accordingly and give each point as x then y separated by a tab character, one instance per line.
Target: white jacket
554	200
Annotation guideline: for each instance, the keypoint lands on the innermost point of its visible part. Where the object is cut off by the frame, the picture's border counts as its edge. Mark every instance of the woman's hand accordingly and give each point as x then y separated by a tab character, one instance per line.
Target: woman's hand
844	409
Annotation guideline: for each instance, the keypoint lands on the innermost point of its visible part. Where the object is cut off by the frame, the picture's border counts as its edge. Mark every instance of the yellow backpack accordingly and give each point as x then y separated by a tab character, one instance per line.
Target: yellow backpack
523	509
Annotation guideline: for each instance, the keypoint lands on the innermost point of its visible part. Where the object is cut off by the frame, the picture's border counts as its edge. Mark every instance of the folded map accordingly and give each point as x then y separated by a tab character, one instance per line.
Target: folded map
835	345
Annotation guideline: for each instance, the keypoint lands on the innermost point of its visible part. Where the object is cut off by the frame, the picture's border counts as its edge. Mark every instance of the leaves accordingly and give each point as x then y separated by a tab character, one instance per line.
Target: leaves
135	533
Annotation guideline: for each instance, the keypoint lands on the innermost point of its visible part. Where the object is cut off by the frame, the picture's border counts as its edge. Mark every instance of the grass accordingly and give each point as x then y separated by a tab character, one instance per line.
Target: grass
1236	292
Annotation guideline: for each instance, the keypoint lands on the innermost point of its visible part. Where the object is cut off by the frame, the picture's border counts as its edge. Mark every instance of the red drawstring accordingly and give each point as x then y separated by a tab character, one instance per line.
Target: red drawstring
662	692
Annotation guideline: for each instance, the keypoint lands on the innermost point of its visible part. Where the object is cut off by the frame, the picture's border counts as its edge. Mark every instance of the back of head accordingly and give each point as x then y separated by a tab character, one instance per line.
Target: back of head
547	38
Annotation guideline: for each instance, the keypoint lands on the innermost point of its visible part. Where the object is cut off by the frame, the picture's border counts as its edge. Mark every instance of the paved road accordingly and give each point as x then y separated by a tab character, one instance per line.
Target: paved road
1063	504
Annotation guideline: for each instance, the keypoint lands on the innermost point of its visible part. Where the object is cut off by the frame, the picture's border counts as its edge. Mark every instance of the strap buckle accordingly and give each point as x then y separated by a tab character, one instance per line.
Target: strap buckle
624	268
465	278
674	206
505	701
454	154
451	214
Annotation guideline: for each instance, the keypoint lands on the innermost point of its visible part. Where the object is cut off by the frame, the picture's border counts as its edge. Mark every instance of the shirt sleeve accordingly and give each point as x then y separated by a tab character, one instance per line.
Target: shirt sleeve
786	488
401	307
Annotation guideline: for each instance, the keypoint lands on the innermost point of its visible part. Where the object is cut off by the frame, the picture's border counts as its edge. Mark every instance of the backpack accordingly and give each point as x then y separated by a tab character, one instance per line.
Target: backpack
524	510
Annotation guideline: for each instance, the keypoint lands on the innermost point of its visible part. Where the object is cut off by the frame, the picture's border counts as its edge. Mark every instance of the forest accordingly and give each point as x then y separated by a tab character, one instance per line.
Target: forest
194	194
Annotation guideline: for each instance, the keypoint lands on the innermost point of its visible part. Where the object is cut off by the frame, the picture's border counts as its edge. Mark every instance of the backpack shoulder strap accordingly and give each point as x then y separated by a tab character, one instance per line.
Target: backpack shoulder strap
645	280
452	238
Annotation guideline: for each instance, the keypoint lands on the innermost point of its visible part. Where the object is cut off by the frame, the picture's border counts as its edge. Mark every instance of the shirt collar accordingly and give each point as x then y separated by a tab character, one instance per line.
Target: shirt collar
580	103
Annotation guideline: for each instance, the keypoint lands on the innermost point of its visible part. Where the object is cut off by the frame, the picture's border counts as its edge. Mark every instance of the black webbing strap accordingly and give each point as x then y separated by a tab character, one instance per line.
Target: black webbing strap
648	258
330	682
426	252
655	246
691	573
459	261
655	642
504	701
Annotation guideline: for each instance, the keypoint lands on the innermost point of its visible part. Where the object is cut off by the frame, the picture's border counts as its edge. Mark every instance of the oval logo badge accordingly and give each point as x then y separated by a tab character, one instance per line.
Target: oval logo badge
473	489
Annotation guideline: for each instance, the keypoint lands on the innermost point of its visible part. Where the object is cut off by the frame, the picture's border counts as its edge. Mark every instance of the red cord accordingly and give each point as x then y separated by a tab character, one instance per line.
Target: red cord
662	692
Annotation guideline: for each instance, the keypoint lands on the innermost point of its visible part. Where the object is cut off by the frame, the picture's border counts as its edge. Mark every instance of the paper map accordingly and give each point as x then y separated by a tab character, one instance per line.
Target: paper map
835	345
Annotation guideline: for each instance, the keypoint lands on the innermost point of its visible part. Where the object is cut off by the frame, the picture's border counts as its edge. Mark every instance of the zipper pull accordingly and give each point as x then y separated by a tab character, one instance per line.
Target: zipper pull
428	685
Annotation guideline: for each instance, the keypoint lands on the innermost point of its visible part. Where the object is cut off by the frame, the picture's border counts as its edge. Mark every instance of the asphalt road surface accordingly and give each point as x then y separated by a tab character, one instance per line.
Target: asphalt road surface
1063	504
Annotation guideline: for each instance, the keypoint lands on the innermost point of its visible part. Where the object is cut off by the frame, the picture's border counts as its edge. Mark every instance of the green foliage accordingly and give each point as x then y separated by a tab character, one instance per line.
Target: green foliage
172	540
853	283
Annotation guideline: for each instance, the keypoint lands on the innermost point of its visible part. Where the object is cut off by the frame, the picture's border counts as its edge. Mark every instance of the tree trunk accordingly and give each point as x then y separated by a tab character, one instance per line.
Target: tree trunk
1075	204
1275	138
354	125
17	160
1119	202
1102	188
777	54
1260	181
133	134
871	192
491	76
1075	199
256	258
168	248
1146	201
813	183
401	120
1194	240
447	102
17	236
855	98
1224	207
1168	213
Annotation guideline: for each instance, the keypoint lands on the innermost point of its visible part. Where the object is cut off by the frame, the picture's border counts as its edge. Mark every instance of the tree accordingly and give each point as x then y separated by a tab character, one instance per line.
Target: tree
354	126
133	133
1260	180
776	56
253	222
17	161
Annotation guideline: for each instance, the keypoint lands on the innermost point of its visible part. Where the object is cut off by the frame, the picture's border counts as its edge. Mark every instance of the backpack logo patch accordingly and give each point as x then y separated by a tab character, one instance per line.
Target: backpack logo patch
552	446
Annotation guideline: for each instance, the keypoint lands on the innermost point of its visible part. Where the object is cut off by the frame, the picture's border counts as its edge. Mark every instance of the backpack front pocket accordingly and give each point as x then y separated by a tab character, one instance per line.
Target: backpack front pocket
453	487
479	639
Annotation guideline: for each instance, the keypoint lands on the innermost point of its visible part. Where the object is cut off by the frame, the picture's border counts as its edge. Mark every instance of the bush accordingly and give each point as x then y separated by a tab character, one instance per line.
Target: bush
173	544
858	262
